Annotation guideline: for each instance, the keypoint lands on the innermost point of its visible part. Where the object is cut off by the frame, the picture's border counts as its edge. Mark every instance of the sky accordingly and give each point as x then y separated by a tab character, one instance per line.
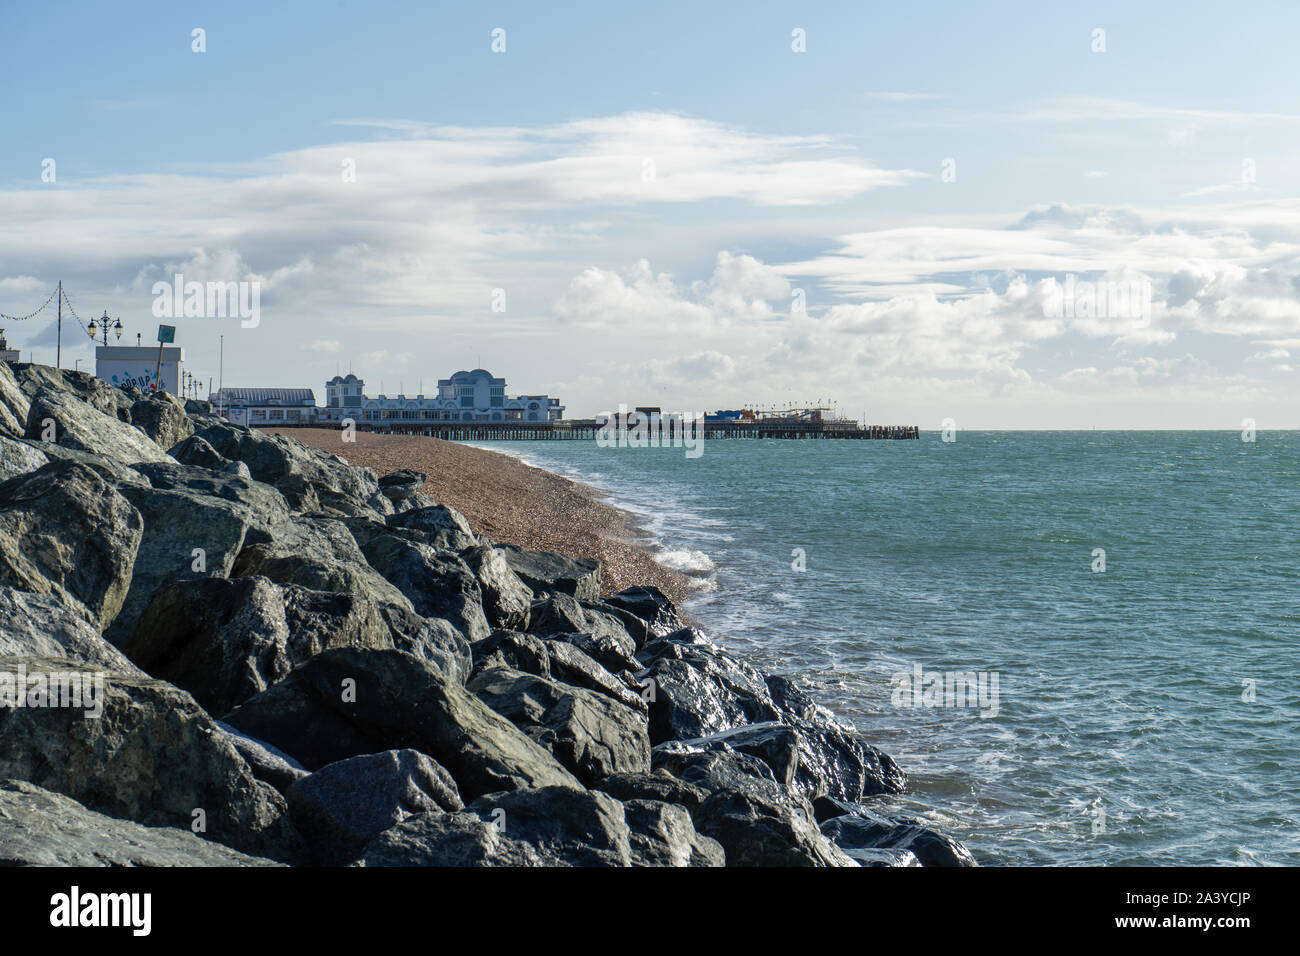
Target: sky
1002	214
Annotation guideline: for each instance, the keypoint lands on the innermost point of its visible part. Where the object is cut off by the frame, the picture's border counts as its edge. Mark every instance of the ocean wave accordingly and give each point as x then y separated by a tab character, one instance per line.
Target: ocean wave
686	561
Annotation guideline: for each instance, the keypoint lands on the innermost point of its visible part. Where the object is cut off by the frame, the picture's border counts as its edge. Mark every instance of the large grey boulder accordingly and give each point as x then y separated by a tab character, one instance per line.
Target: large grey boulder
443	527
38	625
590	734
162	417
873	832
572	666
13	404
41	828
699	690
197	524
658	785
437	583
196	452
551	826
604	638
757	820
341	490
18	458
66	532
268	762
321	554
650	605
345	702
34	378
507	601
225	641
114	472
773	743
431	639
503	648
77	425
402	485
343	806
662	834
834	760
559	660
545	572
152	756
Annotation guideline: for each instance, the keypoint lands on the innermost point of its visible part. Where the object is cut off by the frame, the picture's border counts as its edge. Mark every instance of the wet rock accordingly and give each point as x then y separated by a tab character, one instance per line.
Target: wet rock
590	734
657	785
868	831
551	826
436	583
343	806
600	636
162	417
507	601
554	573
601	648
834	761
629	623
572	666
699	690
650	605
758	832
775	744
444	527
394	700
41	828
66	532
36	625
662	834
226	641
152	756
79	426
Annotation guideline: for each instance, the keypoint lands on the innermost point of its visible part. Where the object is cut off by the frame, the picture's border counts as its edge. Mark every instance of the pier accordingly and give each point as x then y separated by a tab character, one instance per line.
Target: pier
586	429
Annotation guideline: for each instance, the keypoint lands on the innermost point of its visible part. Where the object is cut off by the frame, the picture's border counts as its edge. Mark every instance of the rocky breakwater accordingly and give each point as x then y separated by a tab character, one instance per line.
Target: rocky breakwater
219	647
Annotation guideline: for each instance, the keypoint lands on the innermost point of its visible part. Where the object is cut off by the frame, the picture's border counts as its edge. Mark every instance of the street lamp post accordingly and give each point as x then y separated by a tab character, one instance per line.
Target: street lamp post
105	326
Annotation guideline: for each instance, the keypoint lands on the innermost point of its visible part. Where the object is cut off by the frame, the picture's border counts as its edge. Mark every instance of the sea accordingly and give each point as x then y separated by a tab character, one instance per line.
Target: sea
1082	647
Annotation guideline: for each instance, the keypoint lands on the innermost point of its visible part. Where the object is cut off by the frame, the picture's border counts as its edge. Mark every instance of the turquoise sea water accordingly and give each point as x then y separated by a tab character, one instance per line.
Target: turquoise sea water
1125	733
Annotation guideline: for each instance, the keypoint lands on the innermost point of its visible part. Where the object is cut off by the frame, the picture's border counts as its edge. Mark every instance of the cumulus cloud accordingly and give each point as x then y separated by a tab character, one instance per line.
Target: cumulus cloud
741	288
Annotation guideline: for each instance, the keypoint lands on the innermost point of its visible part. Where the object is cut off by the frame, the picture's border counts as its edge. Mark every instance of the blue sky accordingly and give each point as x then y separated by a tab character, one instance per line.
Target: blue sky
1168	159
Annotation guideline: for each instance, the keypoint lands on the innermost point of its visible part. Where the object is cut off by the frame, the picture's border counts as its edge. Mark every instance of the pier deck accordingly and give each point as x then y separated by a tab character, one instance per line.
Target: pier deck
586	430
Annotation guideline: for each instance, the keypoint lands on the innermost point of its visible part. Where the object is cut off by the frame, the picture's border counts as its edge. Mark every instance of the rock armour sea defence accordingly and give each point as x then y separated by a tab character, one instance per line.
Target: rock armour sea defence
301	662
